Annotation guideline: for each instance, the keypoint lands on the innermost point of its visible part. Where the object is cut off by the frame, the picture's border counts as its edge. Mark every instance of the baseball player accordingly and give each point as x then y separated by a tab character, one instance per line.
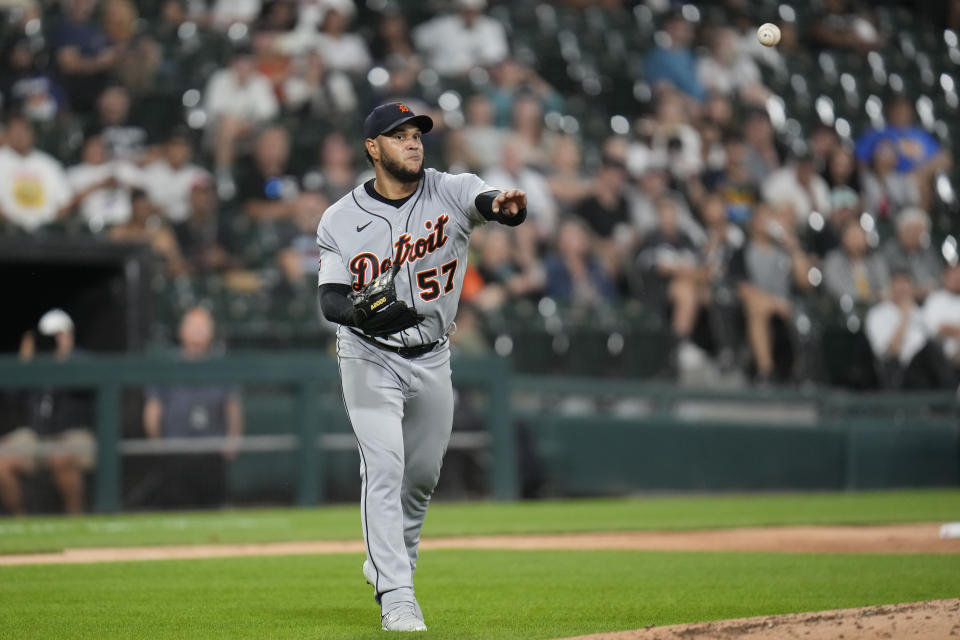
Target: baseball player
392	258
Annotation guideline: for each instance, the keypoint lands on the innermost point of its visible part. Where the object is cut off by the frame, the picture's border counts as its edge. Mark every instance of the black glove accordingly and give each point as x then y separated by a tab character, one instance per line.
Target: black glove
377	311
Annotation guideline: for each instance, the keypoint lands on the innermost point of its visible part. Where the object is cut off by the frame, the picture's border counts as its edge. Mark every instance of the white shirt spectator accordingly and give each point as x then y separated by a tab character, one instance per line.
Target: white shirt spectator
34	188
253	101
727	80
226	12
452	48
881	325
107	205
643	214
169	188
541	206
782	187
943	308
347	52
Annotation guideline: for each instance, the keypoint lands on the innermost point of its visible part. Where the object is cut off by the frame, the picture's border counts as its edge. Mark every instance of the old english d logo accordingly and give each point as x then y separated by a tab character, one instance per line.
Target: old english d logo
403	108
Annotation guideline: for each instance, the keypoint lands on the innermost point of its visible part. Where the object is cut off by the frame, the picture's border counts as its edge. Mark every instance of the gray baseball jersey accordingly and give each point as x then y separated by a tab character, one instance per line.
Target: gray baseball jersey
401	410
360	237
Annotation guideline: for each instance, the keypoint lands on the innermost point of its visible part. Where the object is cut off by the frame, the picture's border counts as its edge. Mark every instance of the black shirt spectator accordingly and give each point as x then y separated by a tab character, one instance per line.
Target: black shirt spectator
82	53
607	207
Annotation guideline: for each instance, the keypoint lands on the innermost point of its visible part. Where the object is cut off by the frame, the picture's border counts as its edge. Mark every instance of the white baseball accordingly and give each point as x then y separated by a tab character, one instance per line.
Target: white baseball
768	34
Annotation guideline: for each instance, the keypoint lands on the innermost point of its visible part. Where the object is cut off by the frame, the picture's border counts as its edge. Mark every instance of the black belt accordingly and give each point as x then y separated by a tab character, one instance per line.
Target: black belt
403	352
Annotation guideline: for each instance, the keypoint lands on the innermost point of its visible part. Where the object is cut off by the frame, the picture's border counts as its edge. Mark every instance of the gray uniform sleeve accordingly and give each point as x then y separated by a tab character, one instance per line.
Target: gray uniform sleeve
332	267
463	189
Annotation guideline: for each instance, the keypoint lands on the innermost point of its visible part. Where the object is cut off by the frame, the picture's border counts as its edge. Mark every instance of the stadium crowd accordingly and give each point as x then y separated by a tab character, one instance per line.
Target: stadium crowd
699	203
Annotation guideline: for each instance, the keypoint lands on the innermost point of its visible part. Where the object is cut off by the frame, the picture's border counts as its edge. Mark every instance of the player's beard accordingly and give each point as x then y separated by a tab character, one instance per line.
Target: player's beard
398	171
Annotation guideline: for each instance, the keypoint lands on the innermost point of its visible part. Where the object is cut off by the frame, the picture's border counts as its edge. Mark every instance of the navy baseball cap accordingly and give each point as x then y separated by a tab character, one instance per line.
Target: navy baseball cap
388	117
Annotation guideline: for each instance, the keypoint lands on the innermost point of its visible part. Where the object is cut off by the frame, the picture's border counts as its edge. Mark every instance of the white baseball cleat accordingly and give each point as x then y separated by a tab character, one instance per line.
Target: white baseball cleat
404	617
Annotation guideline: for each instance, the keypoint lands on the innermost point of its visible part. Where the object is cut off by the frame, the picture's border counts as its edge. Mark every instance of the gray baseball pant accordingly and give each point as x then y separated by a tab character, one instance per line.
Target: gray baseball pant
401	412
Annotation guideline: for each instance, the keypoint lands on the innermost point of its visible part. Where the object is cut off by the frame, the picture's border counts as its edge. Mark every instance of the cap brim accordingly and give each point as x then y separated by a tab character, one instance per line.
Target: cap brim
424	122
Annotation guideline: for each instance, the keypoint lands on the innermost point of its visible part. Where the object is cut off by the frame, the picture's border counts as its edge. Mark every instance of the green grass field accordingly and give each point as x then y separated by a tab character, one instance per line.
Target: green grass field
482	518
464	594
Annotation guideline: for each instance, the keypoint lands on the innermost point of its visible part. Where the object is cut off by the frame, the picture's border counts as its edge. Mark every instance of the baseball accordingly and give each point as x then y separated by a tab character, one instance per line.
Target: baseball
768	34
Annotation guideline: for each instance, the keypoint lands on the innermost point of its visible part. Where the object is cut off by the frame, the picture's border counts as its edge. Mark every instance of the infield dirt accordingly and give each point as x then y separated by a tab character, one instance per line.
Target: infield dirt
905	538
935	619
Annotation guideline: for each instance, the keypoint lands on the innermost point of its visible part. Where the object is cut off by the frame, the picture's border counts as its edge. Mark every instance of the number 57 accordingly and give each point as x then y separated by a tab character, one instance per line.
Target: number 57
427	281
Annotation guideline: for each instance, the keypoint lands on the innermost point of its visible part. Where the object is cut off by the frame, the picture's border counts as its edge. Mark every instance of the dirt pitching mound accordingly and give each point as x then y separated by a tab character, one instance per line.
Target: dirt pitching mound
907	538
938	619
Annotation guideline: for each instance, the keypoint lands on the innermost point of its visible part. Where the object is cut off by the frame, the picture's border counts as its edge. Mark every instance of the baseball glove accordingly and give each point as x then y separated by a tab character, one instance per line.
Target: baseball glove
378	312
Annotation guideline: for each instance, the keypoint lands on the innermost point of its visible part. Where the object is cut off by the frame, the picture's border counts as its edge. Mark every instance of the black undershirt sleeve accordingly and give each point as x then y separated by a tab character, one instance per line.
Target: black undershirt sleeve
484	204
335	303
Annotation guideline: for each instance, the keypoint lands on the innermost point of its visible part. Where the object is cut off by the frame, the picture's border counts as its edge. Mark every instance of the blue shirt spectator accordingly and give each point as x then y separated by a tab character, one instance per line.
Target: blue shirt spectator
915	146
672	61
573	275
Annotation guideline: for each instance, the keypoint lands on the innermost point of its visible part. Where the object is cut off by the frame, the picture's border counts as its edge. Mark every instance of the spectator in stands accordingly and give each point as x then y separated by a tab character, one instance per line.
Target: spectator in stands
238	100
29	86
60	417
392	43
34	191
124	136
823	142
170	178
941	312
147	227
825	232
729	70
671	60
838	26
512	170
527	126
224	13
652	186
766	271
760	146
885	190
503	275
454	43
336	174
900	342
910	251
854	271
840	171
339	49
277	17
84	58
202	236
269	190
138	55
674	139
606	210
734	182
313	89
478	145
101	186
566	179
673	277
723	241
711	148
299	259
510	79
574	276
195	411
917	151
798	186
